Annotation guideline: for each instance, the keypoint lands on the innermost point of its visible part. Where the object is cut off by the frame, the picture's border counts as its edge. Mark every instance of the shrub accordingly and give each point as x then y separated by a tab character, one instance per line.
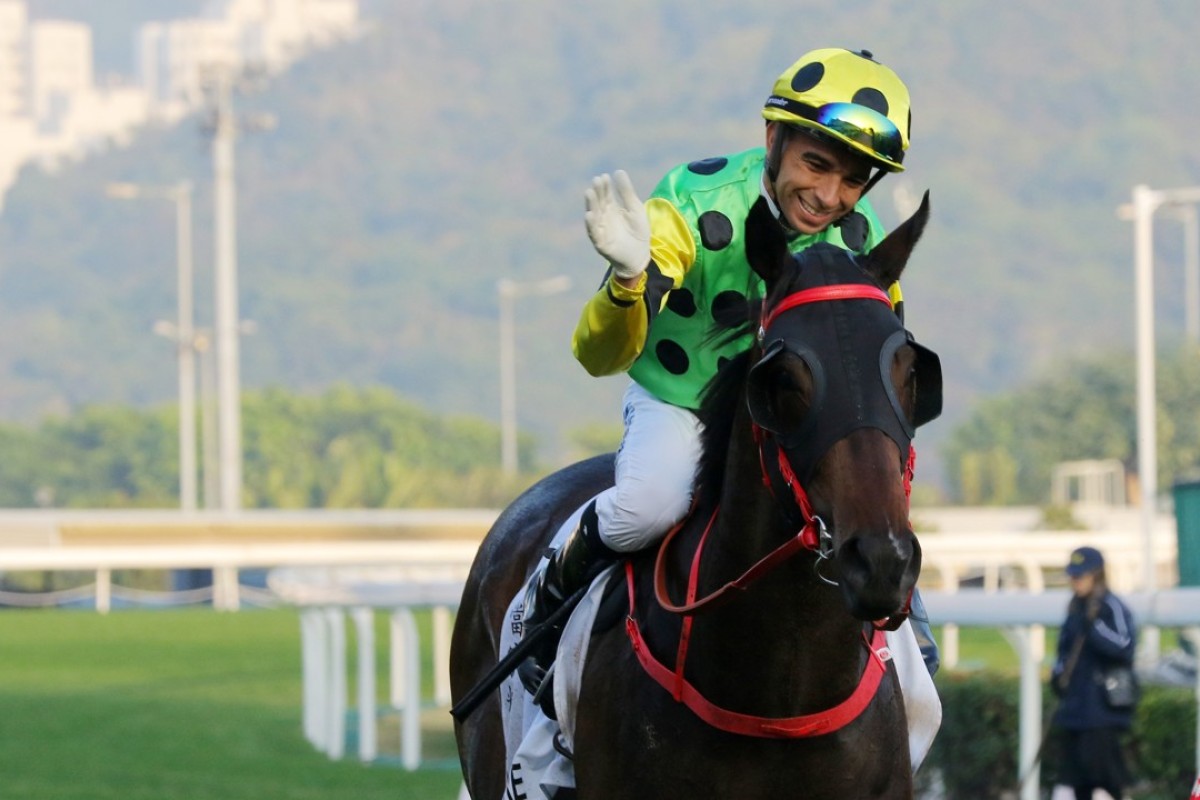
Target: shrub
975	753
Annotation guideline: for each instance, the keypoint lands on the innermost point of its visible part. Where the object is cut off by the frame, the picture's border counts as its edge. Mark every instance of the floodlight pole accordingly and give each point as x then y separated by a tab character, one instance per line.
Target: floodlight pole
508	291
229	422
182	332
1145	202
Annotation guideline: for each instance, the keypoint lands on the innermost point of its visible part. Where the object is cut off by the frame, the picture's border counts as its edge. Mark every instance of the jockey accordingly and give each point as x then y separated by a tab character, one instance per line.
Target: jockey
836	122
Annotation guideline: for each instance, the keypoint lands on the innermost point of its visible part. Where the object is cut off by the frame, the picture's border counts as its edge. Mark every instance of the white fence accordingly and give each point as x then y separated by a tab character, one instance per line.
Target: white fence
419	559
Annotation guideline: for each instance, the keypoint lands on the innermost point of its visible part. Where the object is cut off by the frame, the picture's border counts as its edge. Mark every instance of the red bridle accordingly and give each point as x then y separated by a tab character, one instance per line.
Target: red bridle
812	536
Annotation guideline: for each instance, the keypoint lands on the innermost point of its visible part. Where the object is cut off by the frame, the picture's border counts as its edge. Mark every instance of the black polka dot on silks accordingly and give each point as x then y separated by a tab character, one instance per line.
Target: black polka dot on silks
727	303
682	302
673	357
872	99
854	229
808	76
716	231
708	166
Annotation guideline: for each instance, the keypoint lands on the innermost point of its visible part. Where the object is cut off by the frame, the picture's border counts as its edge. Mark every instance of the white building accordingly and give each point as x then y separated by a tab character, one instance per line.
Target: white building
269	35
51	108
14	24
60	71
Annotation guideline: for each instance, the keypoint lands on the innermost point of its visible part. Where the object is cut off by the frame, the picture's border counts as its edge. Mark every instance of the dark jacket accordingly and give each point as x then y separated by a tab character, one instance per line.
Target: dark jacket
1110	638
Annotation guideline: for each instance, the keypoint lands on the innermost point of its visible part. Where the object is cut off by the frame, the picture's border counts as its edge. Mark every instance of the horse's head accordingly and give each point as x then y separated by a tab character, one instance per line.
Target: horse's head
839	388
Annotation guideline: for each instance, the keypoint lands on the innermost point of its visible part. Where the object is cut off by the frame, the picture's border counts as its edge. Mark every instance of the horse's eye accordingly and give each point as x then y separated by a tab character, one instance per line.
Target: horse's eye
785	394
904	378
785	380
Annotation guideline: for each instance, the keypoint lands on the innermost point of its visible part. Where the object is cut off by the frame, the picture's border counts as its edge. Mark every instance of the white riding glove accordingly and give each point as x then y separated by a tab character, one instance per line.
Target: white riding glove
617	224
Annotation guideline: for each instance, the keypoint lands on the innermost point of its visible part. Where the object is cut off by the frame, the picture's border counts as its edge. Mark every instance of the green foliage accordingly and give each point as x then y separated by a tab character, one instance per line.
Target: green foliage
346	448
1006	450
100	457
1164	739
975	751
1060	518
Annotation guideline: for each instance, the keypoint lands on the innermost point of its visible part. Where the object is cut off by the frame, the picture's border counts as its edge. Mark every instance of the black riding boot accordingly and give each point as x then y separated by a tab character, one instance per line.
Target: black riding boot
574	565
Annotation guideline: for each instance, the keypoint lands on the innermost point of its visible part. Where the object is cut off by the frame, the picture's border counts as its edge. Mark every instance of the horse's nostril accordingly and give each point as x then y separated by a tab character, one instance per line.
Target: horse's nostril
875	572
876	553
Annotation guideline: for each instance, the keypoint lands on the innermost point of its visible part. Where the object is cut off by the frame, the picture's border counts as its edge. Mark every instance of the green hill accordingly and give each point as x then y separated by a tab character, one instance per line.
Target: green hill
451	145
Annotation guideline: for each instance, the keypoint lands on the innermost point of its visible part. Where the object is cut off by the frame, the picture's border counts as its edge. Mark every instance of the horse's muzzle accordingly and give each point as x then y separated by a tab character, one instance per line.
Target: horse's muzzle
878	572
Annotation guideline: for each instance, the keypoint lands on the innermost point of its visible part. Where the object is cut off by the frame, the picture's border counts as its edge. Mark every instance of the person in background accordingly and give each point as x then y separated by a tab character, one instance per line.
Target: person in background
1097	634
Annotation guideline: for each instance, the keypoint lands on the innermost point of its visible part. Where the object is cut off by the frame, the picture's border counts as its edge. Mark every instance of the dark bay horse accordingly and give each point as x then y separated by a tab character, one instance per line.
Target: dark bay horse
797	552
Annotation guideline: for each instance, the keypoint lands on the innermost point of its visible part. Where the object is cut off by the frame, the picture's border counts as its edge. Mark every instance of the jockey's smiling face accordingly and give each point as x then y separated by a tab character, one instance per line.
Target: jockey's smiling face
818	182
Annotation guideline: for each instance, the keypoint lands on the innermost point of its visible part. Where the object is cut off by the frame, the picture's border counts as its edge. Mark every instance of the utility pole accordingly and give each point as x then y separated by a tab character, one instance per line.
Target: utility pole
507	292
181	332
1145	202
219	82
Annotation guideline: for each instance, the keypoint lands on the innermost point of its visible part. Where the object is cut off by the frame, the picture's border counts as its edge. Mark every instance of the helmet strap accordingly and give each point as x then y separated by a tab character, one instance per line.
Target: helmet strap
775	155
876	178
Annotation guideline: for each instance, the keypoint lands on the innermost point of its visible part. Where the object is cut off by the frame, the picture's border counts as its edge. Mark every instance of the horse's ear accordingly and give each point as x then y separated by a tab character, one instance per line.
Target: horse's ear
766	247
887	260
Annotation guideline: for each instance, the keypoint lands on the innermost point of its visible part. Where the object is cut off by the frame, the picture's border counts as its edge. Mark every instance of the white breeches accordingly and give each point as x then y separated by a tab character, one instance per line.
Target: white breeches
656	466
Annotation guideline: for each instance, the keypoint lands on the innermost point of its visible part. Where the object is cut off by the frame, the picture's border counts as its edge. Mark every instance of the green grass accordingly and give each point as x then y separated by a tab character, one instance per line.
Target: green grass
199	705
176	705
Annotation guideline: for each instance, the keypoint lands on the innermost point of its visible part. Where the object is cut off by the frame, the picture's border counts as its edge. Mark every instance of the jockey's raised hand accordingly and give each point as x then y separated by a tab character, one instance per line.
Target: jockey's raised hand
617	224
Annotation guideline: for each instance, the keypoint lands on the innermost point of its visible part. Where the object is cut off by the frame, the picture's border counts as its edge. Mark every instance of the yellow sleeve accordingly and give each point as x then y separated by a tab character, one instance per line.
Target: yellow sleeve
612	329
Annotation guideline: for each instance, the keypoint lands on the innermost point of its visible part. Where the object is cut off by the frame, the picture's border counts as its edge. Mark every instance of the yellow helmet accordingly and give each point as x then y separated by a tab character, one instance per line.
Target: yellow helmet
850	97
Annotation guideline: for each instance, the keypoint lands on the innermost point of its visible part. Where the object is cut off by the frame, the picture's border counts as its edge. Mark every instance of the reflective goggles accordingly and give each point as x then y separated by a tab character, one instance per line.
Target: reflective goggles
855	123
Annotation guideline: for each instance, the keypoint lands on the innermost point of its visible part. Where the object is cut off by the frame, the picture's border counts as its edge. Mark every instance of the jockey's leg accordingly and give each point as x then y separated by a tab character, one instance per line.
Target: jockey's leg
655	470
572	566
924	633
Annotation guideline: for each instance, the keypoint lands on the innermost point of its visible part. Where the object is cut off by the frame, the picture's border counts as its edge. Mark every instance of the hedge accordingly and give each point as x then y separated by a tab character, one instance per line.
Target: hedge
975	753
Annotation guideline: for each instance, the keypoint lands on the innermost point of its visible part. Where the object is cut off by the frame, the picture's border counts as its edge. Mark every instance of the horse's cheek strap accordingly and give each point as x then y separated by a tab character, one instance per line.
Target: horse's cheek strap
910	469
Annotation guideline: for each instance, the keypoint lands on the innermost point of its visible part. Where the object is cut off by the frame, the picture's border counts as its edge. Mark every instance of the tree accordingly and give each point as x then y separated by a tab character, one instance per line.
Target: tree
346	448
1006	450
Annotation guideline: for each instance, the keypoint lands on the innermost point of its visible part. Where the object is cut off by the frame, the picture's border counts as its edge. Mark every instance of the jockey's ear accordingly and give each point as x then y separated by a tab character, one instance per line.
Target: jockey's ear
766	246
887	260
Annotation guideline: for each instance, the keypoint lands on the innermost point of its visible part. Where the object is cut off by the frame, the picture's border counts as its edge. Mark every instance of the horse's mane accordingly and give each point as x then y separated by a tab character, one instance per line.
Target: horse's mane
718	401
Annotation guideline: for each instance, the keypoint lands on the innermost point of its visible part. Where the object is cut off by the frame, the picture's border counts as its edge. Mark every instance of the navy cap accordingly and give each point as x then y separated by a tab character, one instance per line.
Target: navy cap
1084	560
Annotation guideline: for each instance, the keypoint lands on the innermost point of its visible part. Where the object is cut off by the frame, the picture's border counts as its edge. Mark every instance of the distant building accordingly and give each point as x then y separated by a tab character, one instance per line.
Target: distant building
51	108
269	35
1096	482
14	24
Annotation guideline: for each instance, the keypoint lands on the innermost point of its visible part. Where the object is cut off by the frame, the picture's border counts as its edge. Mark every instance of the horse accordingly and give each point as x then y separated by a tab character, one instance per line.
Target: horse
749	664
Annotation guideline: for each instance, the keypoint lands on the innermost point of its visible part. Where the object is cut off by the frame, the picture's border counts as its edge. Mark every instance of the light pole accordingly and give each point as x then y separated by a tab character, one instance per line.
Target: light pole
182	331
219	81
507	291
1146	201
229	413
208	419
